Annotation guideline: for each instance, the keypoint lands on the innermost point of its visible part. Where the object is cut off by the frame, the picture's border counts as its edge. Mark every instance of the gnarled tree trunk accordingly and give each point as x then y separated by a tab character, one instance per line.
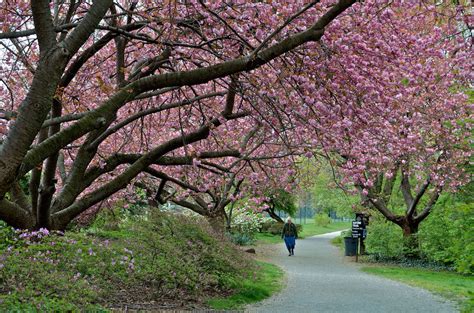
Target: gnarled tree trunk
411	245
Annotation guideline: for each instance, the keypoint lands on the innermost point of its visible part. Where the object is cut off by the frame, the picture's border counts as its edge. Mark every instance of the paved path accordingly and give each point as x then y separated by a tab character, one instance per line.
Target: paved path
320	279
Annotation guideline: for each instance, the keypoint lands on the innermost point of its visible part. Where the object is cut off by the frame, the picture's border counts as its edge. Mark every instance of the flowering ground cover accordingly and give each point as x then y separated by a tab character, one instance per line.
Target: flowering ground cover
161	261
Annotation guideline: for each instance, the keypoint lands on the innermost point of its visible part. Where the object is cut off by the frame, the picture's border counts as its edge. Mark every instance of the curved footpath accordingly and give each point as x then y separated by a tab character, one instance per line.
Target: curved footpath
320	279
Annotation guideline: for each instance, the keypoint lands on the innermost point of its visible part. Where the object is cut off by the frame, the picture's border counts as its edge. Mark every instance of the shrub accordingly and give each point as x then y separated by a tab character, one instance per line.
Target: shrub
241	239
322	219
446	236
384	239
299	228
337	241
445	239
265	227
275	228
245	224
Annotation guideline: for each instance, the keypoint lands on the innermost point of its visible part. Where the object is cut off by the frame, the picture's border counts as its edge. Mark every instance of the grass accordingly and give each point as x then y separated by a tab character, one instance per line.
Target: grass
267	238
337	241
312	229
309	229
452	286
260	285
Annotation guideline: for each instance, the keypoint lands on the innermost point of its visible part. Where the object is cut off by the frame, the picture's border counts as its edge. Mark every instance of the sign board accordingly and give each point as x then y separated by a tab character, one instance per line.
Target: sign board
358	229
357	225
359	234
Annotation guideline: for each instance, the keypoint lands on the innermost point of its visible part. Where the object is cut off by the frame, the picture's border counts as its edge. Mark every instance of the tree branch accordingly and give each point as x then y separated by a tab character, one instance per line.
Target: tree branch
427	210
19	197
412	209
131	172
406	187
143	113
286	23
165	177
43	24
15	215
63	119
193	77
81	33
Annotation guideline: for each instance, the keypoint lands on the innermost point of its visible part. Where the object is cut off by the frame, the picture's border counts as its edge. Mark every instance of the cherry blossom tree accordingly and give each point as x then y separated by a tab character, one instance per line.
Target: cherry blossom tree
95	93
212	187
392	108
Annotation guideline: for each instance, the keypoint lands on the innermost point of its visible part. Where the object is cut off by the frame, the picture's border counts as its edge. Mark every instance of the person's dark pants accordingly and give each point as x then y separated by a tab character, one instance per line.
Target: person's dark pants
290	243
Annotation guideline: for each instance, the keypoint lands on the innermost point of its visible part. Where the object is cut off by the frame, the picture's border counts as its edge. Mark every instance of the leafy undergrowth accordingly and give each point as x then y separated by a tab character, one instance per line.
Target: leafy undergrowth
451	285
159	261
258	285
337	241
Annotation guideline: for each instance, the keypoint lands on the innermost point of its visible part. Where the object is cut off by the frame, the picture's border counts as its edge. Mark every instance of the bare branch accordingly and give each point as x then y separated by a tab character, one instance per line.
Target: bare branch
143	113
427	210
412	209
43	24
286	23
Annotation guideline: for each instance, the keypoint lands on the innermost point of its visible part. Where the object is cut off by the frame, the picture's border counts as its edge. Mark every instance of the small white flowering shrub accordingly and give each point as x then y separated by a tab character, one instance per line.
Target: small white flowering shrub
245	225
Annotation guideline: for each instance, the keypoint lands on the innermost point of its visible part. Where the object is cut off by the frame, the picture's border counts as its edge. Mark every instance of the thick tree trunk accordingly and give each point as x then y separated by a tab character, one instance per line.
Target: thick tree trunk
48	183
411	247
16	216
217	224
228	218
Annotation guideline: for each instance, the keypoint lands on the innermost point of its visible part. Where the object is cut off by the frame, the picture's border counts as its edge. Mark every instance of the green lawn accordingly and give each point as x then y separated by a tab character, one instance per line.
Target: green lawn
450	285
260	285
267	238
309	229
312	229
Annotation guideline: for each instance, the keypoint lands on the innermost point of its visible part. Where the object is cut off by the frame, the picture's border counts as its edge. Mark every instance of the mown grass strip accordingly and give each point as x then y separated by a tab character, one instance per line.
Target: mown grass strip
266	281
309	229
450	285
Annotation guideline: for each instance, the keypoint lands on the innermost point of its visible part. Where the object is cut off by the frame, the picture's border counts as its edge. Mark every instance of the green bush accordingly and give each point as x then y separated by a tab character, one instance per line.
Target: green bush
337	241
444	238
299	228
264	228
322	219
241	239
384	239
447	236
273	228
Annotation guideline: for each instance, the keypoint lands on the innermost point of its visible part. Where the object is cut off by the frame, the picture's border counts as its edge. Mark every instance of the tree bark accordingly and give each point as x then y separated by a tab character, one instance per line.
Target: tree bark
48	183
217	224
273	215
15	216
411	246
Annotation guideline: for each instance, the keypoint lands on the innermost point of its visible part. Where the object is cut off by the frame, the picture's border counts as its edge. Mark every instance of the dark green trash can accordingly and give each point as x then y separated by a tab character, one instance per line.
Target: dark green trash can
351	246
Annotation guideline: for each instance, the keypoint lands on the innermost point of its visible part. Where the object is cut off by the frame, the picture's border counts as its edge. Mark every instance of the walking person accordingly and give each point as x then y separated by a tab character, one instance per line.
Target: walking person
289	234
